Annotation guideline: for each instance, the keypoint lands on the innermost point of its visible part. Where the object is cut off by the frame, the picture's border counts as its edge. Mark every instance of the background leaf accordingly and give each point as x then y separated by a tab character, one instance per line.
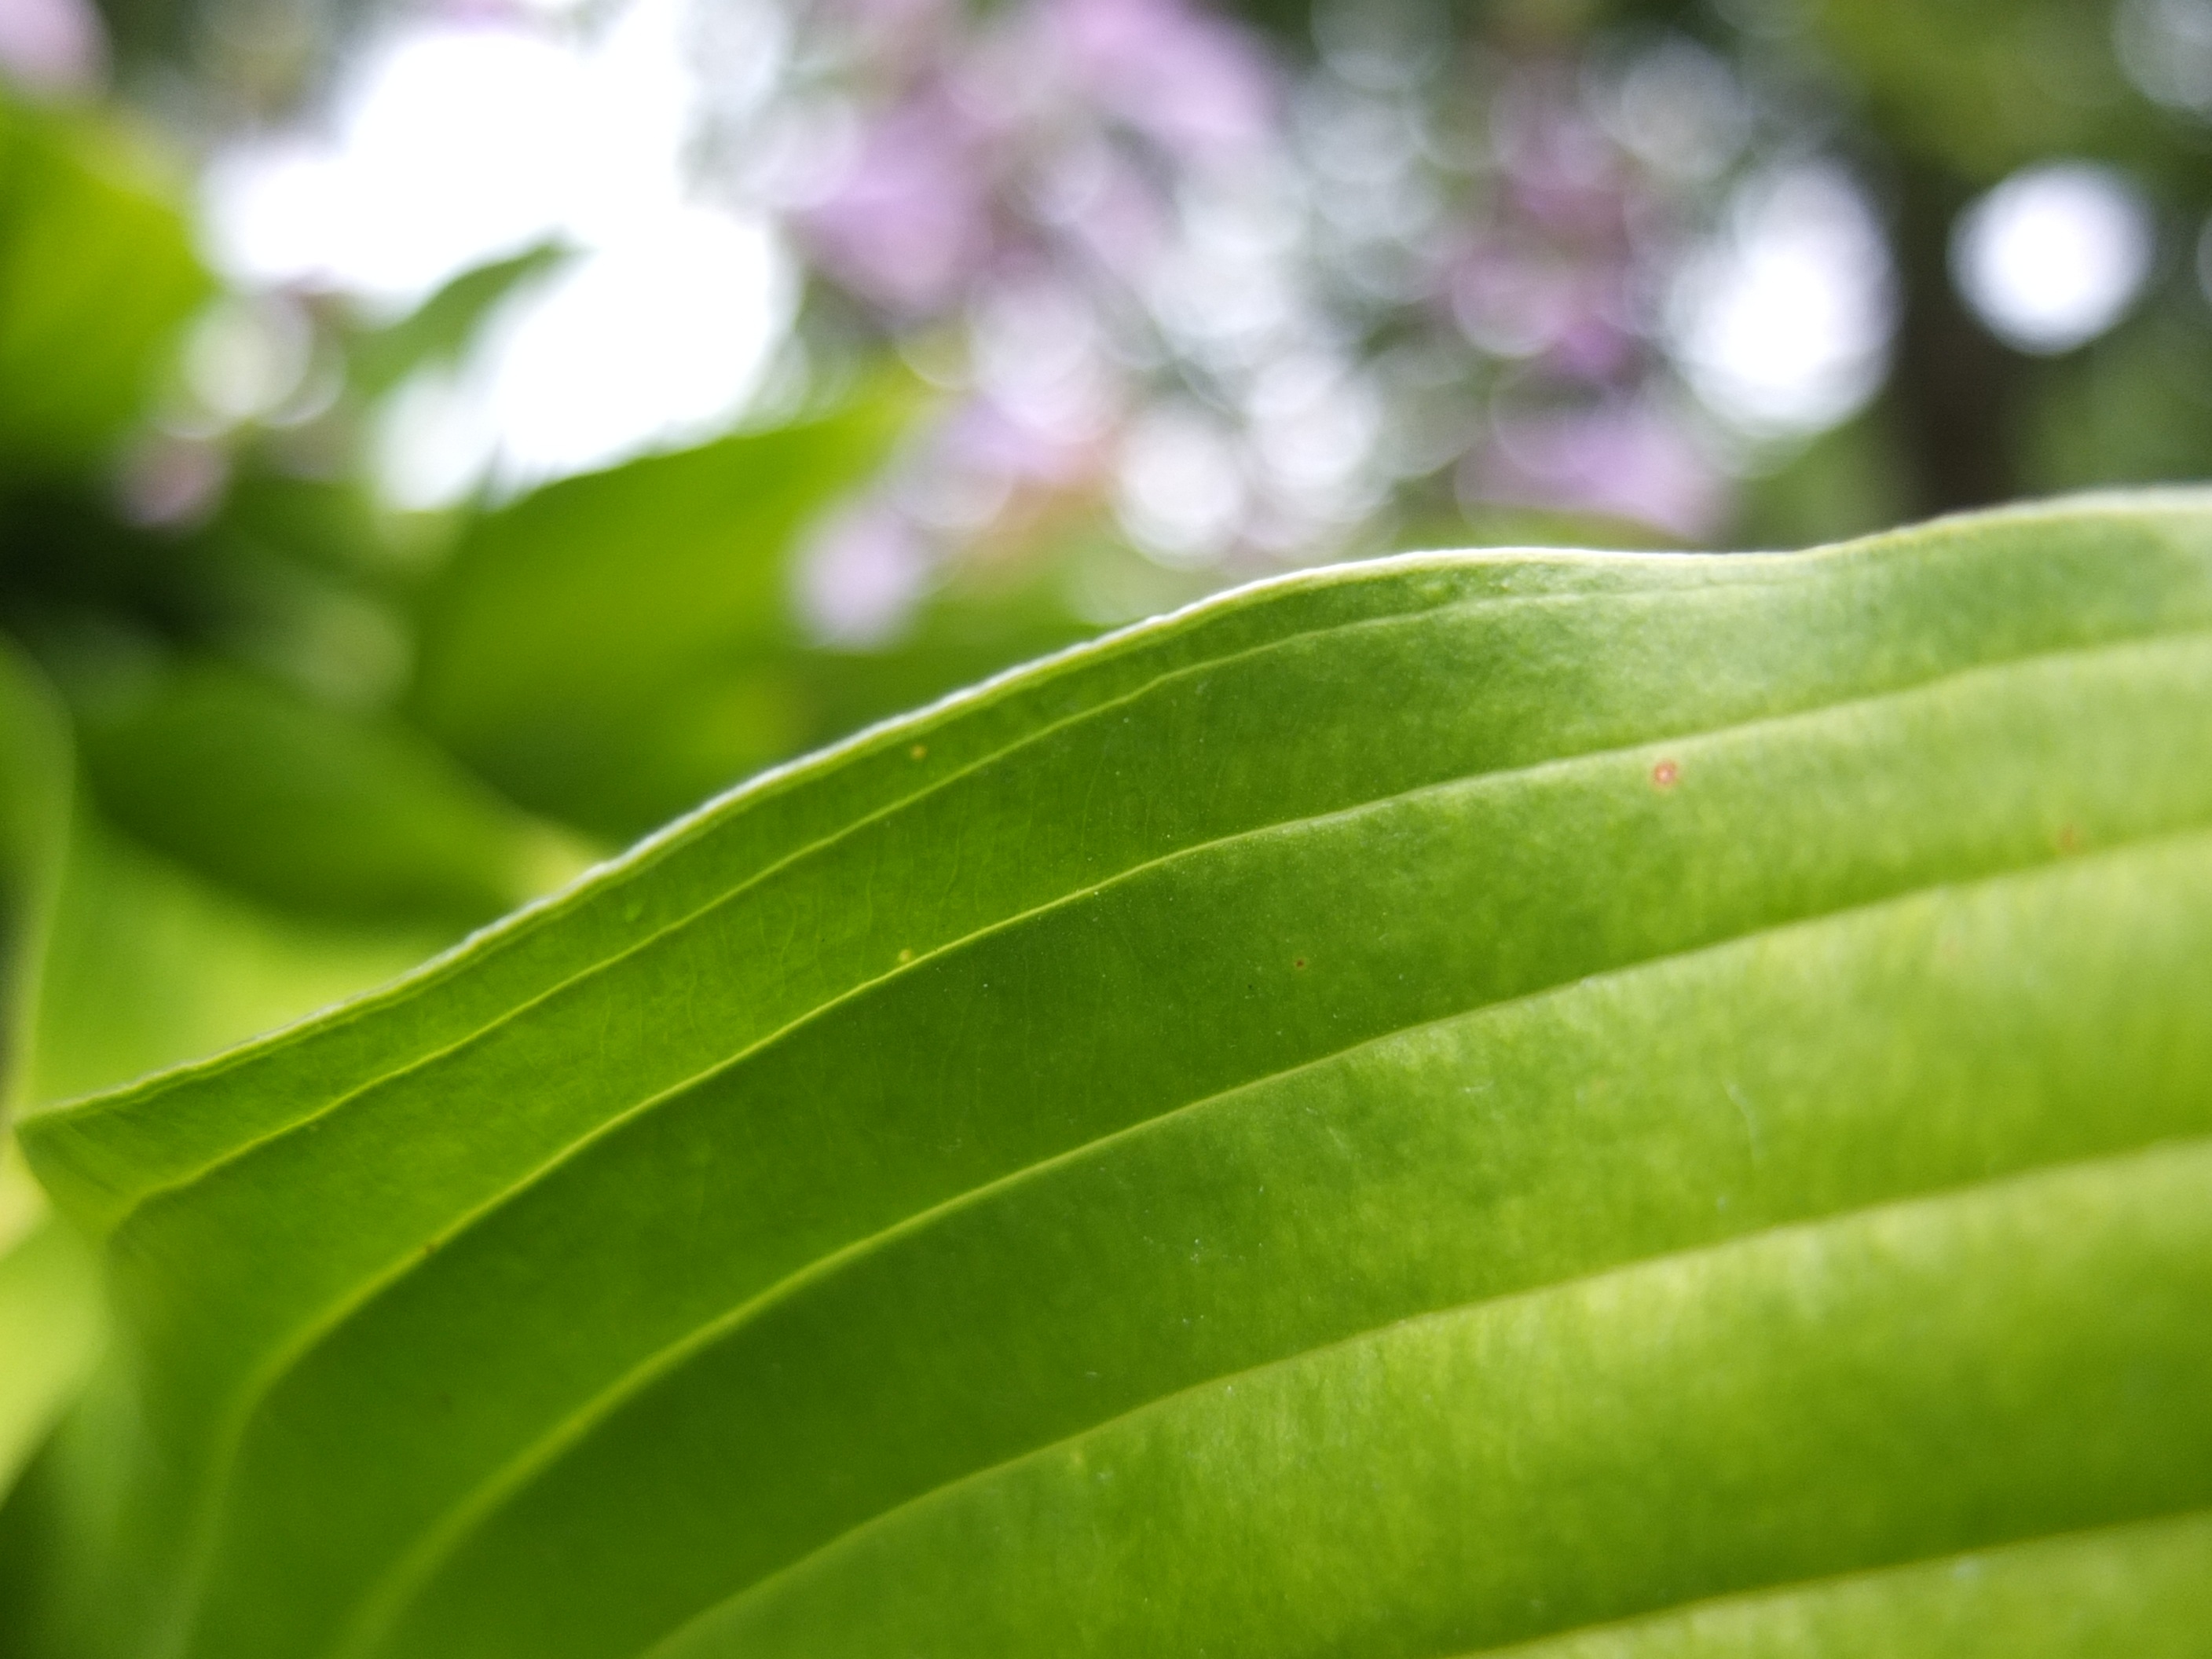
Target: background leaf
151	963
613	647
49	1306
96	273
50	1322
34	807
306	809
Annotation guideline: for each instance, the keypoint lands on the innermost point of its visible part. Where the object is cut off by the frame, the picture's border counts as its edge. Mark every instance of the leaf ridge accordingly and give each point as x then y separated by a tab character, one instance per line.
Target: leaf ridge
1774	570
1667	1261
1826	1581
2120	647
245	1149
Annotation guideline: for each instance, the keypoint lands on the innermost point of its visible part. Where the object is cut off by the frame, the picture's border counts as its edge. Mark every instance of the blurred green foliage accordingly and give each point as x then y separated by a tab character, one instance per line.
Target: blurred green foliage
97	270
616	646
310	738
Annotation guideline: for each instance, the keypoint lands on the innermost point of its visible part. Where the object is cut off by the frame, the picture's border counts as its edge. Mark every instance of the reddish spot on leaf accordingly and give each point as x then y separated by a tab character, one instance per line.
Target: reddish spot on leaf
1665	775
1300	963
2069	839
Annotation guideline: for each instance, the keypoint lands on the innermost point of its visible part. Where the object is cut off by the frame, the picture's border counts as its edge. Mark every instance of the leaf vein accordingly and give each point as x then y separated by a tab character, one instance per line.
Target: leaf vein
386	1595
1676	1261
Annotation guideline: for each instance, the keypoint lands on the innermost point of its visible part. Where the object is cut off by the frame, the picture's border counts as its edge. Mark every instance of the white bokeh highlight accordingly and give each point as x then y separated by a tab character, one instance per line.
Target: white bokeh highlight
2053	257
1178	489
1782	327
2165	48
450	145
654	342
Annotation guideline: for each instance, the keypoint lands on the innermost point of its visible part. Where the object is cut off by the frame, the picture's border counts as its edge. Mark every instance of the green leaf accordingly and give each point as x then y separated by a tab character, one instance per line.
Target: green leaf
1410	1109
121	958
50	1324
151	962
306	809
96	272
34	807
439	330
1985	85
613	647
49	1306
2143	1590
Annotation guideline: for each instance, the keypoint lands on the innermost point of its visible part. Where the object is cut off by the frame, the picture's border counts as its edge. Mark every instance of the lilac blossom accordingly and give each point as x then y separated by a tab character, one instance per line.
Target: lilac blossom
907	223
52	46
1627	459
869	565
1188	82
1173	278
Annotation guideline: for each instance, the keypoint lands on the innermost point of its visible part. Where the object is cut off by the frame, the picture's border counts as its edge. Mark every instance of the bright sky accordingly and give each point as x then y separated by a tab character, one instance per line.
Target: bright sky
452	144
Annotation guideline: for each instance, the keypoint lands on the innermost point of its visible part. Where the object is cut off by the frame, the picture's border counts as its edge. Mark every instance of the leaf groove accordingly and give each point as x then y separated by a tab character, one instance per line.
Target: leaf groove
2193	1154
544	1451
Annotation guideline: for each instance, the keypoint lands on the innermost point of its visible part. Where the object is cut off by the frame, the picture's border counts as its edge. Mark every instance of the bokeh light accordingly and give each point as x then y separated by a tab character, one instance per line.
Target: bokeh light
1784	324
1254	311
450	144
2052	257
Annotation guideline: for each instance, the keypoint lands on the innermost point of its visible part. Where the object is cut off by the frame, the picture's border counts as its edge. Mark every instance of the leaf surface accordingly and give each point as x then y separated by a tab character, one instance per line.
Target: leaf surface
1411	1109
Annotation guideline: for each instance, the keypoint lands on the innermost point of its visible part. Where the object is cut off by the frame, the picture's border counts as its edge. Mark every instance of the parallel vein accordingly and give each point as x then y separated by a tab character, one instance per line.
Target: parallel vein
1670	1262
280	1362
383	1597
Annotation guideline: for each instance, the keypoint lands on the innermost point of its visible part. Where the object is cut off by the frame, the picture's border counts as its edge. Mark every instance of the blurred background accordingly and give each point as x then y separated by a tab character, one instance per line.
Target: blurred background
440	442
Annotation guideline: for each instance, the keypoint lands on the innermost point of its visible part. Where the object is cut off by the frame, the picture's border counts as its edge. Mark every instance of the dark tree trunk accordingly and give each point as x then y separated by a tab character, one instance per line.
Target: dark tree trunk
1954	392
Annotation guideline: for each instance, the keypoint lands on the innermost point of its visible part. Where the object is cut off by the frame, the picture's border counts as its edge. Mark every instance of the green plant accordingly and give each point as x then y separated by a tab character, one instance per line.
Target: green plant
1411	1109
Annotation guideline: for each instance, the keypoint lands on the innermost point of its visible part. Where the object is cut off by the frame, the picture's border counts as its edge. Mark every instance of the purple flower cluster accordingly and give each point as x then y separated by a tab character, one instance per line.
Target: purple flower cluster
1050	136
1254	311
1558	283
